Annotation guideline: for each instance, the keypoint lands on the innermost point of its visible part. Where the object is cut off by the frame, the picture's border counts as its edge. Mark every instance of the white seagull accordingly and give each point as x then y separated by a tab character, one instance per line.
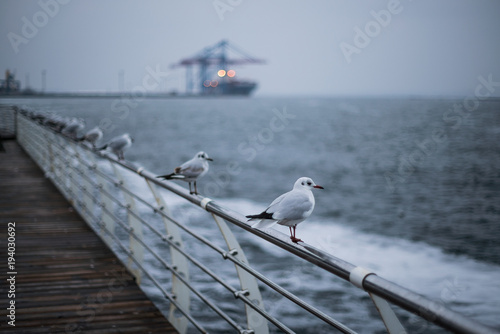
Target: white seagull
290	209
93	136
118	145
72	127
190	170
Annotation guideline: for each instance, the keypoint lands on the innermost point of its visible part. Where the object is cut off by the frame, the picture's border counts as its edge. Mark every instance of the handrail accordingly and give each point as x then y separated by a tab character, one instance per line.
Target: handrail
373	284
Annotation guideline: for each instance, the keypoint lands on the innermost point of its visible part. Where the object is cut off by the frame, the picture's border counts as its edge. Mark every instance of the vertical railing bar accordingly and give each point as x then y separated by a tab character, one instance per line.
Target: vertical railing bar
248	282
174	234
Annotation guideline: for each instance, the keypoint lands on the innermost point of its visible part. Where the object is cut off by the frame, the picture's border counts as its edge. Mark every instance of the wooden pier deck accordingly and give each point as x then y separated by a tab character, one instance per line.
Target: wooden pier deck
67	280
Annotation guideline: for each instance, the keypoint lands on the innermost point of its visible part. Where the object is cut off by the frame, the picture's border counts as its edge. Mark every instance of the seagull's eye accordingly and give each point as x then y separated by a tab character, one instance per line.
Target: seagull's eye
302	183
309	183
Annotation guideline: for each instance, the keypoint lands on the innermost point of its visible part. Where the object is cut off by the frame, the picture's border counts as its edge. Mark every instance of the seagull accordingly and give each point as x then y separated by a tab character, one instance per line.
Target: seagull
56	122
72	127
290	209
118	145
190	170
92	136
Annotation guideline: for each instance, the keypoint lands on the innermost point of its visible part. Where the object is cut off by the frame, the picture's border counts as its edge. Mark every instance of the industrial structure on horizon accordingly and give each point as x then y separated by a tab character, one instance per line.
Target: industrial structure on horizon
216	75
9	86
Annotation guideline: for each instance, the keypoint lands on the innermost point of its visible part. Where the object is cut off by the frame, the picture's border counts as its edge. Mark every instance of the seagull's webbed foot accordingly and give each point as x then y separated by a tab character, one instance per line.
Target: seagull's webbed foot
292	234
195	189
191	192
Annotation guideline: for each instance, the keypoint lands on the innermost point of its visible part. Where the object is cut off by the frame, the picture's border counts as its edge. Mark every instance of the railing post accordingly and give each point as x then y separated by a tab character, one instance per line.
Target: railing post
55	168
58	167
88	184
248	283
179	261
44	156
135	227
388	316
106	204
72	166
390	319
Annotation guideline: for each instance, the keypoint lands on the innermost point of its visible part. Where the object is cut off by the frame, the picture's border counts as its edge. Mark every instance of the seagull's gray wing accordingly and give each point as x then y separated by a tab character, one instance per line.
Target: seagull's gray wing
191	168
294	205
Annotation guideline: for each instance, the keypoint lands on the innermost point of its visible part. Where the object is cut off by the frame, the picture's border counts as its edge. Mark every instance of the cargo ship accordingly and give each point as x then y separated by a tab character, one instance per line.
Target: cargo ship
226	84
215	71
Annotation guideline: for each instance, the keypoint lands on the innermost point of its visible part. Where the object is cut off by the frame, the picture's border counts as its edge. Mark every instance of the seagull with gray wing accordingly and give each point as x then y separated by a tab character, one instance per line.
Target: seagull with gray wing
118	145
190	171
289	209
92	136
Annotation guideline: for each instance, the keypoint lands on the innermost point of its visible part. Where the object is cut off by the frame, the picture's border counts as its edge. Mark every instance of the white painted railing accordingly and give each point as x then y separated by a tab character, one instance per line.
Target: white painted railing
98	187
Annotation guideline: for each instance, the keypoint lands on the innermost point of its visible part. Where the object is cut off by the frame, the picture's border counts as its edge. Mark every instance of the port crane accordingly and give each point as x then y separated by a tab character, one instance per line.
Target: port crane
217	56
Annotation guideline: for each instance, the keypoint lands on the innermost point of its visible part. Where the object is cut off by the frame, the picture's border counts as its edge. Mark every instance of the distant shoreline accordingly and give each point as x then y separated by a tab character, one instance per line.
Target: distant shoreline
117	95
98	95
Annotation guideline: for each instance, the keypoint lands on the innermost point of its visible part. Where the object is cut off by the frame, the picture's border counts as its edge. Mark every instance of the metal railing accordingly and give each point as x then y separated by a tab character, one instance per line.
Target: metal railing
99	188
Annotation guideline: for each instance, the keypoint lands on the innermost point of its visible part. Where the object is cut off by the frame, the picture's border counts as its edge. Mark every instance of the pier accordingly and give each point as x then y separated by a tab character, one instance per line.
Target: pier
67	280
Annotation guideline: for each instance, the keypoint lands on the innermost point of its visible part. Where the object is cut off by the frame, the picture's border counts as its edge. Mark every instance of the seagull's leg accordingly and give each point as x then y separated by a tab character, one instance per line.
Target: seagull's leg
294	239
190	192
195	188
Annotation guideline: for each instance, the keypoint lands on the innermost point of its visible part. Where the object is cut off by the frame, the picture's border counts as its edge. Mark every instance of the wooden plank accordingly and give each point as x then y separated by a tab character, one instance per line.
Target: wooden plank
67	279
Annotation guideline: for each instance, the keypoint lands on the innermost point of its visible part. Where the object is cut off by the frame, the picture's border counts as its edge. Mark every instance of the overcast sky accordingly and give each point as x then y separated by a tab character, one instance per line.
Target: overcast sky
331	47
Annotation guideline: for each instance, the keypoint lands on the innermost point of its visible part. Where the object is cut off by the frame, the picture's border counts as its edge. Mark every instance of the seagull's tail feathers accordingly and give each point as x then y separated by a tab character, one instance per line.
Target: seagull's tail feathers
263	223
171	176
264	220
263	215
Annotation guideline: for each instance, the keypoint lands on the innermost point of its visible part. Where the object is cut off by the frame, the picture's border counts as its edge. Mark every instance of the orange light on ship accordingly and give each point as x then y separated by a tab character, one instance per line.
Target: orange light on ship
231	73
214	83
206	83
221	73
